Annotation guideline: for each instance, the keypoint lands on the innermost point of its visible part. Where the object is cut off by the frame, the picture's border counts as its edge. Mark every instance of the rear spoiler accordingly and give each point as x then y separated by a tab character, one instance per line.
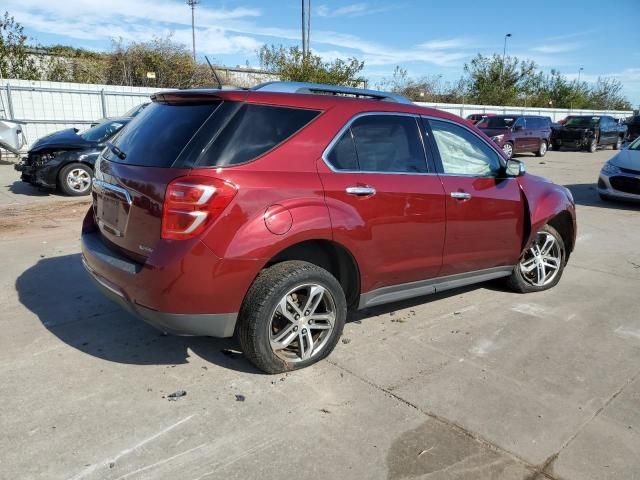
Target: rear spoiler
191	96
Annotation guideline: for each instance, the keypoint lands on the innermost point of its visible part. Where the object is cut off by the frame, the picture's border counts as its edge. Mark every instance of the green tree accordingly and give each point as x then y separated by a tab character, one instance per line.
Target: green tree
15	58
493	81
171	62
67	64
606	94
292	65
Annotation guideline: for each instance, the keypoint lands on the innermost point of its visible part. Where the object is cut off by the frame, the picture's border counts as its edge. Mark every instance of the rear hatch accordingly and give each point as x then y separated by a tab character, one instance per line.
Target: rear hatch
134	170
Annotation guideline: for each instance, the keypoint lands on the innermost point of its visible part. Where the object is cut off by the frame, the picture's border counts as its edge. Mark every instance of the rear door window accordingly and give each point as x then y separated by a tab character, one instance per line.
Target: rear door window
343	154
389	143
253	131
156	136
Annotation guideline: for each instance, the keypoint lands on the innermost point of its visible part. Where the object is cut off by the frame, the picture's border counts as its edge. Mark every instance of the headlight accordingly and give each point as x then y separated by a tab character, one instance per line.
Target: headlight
610	169
497	138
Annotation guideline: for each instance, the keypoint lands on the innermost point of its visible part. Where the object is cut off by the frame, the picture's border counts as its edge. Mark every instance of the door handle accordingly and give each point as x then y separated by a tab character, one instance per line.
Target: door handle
461	195
361	191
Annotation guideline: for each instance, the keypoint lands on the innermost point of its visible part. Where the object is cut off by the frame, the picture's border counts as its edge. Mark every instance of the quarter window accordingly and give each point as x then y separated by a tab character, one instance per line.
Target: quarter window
462	153
254	130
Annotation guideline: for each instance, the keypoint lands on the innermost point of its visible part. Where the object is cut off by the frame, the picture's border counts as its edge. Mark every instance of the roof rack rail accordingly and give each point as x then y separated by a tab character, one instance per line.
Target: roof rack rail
303	87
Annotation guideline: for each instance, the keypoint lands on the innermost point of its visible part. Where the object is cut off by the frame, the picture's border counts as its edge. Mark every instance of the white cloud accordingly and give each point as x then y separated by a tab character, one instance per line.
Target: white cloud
220	31
353	10
557	48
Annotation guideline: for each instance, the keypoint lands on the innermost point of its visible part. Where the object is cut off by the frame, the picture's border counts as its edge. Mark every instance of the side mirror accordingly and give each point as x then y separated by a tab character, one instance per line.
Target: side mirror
514	168
517	128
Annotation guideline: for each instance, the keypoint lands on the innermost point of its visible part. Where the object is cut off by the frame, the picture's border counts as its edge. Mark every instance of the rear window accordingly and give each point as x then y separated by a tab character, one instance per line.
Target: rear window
254	130
156	136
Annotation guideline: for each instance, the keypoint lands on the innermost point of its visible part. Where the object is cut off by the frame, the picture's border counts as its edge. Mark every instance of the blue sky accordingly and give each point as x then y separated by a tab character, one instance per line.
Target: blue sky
424	37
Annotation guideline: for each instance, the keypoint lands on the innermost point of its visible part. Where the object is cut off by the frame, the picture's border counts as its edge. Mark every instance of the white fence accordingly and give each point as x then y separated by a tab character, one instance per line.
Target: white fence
556	114
45	107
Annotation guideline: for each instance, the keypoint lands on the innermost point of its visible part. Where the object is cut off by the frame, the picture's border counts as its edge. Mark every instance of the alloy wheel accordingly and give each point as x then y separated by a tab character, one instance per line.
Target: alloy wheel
543	148
302	322
508	149
541	263
79	180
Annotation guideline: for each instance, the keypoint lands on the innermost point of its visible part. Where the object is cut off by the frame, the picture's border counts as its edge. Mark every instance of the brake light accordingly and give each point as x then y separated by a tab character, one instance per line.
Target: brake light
192	203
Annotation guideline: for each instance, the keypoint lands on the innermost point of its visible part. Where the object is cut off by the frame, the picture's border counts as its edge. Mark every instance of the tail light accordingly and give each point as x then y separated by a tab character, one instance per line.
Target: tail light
192	203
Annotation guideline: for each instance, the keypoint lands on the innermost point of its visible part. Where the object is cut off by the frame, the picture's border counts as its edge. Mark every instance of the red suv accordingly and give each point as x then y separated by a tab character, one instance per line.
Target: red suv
268	213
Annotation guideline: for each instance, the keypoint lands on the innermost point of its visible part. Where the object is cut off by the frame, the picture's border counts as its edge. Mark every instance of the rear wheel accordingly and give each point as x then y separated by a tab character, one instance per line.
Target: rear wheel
542	149
508	149
292	317
541	265
618	144
75	179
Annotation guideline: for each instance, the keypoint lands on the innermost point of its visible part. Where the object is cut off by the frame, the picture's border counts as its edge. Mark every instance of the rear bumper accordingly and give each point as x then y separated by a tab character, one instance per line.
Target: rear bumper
143	291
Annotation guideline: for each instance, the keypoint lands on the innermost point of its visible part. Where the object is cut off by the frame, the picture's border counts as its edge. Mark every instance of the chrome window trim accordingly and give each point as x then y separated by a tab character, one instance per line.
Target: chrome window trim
346	126
492	147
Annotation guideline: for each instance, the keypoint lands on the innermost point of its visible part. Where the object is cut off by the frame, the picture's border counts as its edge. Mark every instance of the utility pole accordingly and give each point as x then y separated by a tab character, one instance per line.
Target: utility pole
306	27
578	85
192	4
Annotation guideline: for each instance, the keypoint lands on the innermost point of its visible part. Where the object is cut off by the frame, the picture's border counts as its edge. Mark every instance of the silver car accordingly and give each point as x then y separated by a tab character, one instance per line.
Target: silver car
620	176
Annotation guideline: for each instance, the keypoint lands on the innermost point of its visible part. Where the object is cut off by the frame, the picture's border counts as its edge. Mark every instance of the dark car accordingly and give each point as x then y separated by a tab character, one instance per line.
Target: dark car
128	114
268	213
518	133
66	159
588	132
633	127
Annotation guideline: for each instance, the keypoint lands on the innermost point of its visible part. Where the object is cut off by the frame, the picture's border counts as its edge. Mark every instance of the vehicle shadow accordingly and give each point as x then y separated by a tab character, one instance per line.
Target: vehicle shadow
587	194
69	306
22	188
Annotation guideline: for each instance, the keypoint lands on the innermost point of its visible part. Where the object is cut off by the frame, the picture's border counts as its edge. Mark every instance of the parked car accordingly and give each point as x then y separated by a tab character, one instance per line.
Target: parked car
128	114
588	132
518	133
269	213
66	159
620	176
633	127
474	118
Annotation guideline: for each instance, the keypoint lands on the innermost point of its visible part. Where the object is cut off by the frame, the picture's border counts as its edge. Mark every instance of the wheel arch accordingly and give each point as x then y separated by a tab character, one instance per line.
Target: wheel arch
563	223
331	256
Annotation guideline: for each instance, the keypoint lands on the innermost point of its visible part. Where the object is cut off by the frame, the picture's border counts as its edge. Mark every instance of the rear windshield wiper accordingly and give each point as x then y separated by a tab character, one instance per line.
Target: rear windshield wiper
116	151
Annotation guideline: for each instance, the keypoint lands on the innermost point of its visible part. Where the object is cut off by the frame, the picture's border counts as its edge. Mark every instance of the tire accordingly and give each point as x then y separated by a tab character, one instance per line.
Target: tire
75	179
618	144
542	149
507	148
261	323
592	147
527	271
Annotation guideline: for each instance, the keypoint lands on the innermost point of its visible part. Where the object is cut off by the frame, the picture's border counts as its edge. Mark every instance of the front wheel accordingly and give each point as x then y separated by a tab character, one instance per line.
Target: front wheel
508	149
592	146
292	317
618	144
542	149
75	179
541	265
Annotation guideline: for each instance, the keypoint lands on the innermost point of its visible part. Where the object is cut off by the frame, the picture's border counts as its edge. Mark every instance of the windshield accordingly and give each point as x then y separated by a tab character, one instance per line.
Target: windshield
582	121
497	122
136	110
635	145
103	131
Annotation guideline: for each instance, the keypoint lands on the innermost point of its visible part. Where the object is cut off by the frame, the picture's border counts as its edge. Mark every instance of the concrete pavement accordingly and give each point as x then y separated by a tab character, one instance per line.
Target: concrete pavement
478	383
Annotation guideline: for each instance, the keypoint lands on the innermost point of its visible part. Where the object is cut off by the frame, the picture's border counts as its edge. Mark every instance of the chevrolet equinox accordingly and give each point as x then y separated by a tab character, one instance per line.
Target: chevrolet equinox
269	213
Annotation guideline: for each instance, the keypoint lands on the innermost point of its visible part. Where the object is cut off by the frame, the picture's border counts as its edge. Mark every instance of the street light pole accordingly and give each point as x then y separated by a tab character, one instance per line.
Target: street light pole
578	85
504	54
192	4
